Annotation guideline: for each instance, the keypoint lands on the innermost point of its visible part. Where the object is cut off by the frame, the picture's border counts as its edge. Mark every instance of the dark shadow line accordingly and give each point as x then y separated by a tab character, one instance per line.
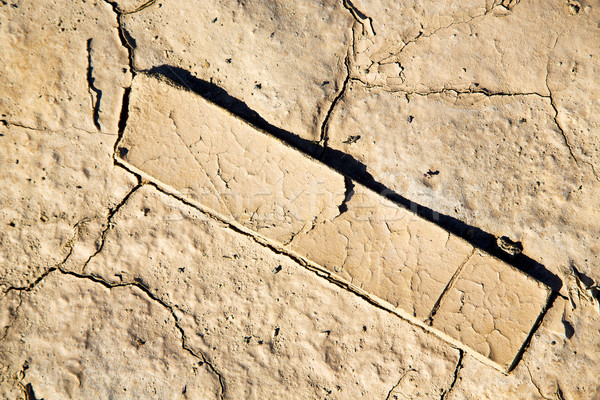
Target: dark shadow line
29	393
354	169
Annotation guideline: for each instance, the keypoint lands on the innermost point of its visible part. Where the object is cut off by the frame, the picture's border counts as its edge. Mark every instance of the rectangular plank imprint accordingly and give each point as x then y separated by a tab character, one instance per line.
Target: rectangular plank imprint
204	154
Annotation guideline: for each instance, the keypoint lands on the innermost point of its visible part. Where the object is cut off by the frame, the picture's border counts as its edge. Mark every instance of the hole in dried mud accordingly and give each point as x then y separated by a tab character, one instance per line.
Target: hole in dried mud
123	152
124	111
569	329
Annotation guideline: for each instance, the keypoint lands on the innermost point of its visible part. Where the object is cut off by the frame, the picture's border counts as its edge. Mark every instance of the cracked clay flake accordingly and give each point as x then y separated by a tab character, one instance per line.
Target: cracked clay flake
212	158
206	155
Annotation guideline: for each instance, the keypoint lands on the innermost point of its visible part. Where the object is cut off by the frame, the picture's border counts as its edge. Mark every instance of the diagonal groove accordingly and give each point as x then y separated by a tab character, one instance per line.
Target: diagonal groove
551	298
449	286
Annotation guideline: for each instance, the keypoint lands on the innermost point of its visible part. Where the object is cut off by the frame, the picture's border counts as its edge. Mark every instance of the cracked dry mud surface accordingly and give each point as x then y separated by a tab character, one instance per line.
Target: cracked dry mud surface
295	199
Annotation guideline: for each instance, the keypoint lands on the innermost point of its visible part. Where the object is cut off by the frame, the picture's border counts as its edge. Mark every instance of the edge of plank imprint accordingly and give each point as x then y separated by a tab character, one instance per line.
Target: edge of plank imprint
258	185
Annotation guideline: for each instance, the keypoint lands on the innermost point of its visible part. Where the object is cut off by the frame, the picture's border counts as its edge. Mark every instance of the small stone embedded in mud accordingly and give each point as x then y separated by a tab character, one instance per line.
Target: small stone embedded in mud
511	247
352	139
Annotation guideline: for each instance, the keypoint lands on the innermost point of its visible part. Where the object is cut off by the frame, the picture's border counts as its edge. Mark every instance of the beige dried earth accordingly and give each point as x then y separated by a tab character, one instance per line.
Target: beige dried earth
294	199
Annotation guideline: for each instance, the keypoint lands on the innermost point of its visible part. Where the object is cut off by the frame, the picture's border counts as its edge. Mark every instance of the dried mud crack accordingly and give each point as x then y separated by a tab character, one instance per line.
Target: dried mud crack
109	218
325	125
126	40
144	288
270	199
459	366
95	93
389	395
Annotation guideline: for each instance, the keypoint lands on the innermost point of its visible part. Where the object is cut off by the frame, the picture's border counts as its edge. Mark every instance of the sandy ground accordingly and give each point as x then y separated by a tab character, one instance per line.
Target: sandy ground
294	199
